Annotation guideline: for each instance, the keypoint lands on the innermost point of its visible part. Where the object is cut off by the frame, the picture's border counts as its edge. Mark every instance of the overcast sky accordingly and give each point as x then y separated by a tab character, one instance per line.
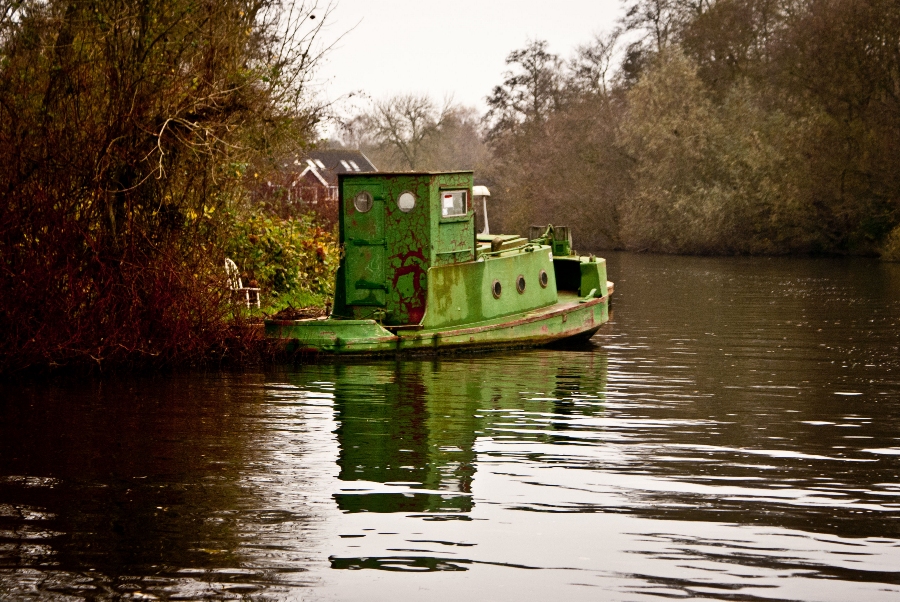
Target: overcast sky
454	47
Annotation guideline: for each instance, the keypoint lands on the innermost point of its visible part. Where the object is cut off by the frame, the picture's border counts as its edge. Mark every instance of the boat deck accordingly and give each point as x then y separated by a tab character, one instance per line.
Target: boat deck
571	317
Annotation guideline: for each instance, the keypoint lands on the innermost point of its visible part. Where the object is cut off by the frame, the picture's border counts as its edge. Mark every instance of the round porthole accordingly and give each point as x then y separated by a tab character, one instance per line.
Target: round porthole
406	202
363	201
520	284
496	289
543	279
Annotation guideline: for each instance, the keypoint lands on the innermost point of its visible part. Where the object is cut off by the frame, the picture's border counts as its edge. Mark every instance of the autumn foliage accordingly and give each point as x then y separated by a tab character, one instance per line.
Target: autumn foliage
710	126
125	132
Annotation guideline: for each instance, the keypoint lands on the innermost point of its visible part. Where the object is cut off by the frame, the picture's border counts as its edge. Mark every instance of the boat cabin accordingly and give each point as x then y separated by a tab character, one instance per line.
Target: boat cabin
394	227
412	258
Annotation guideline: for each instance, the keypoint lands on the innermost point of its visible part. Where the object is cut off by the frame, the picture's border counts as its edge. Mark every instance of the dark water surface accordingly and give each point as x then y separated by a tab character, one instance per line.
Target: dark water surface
732	434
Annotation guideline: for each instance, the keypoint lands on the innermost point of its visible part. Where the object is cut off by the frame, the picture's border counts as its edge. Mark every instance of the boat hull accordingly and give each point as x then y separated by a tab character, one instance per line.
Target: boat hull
571	317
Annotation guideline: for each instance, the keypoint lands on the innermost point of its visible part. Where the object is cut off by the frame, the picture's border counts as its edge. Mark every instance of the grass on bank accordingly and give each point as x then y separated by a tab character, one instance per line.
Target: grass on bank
286	304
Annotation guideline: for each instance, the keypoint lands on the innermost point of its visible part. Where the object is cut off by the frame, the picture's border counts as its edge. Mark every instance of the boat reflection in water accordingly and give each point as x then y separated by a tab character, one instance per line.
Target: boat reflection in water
413	425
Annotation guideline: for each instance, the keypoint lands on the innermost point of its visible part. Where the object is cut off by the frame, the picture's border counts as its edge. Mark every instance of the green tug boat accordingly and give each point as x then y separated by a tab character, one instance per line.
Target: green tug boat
416	277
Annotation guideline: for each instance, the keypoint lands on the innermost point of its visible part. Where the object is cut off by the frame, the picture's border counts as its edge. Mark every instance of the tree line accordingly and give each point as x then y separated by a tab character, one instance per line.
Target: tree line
696	126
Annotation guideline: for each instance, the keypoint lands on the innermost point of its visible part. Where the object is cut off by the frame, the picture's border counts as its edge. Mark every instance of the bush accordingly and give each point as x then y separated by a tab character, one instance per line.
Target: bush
122	124
289	259
713	178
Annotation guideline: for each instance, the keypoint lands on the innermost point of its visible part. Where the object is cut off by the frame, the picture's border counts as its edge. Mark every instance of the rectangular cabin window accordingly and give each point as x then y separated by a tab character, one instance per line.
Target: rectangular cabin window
454	203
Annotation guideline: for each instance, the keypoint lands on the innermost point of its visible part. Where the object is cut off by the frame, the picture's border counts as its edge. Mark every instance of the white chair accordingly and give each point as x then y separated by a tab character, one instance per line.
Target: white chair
234	282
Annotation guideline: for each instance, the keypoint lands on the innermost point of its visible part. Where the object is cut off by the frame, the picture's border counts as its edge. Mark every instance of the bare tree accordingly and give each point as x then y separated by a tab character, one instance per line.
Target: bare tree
661	22
413	132
405	123
590	70
532	88
458	144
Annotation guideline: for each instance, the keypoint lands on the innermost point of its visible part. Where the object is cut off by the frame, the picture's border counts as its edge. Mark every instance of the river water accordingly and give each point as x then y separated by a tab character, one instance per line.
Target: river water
732	434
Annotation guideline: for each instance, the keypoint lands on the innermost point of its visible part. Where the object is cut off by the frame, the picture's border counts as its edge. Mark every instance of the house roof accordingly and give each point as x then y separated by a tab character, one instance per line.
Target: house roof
325	165
314	171
341	161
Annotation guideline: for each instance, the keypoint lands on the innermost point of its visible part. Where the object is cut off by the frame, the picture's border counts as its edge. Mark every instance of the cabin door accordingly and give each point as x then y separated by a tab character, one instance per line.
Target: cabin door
364	244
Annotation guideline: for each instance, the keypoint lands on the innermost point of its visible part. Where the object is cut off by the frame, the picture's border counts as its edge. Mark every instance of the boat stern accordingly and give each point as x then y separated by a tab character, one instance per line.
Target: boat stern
331	336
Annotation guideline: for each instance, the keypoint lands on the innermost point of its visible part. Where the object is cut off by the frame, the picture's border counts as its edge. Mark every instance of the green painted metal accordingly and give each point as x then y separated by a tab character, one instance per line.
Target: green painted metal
558	237
568	319
462	293
394	249
415	276
364	249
